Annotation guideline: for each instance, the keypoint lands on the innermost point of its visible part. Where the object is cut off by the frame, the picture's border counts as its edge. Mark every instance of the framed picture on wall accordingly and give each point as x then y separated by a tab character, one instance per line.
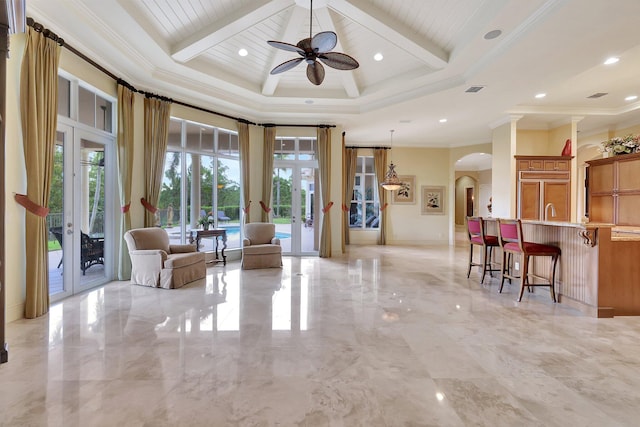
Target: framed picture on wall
433	200
406	194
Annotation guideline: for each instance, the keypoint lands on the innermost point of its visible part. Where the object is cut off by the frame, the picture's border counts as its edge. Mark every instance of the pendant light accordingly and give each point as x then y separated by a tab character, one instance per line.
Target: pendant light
391	181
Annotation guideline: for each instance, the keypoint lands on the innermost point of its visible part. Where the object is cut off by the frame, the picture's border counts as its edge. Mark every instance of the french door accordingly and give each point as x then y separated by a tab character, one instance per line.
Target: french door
293	206
78	220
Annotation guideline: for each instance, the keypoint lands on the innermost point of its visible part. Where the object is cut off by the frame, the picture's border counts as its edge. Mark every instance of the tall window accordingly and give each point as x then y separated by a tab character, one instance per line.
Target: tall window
365	205
201	180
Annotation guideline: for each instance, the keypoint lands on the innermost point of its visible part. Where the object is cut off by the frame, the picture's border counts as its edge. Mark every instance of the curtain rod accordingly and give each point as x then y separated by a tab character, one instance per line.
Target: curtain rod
371	147
268	125
50	34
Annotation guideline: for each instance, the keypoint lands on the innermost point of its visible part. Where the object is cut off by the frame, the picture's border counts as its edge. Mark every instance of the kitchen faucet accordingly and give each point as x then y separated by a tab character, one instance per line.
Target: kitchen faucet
546	211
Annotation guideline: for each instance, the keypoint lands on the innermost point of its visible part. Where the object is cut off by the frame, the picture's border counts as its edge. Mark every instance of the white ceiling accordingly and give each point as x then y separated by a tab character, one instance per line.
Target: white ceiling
433	51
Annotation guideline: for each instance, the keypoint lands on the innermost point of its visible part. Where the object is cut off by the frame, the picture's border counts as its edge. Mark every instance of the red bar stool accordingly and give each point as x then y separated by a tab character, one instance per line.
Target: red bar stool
512	242
477	236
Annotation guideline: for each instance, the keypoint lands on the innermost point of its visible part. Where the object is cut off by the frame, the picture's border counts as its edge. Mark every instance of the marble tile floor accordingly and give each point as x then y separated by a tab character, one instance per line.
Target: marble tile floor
382	336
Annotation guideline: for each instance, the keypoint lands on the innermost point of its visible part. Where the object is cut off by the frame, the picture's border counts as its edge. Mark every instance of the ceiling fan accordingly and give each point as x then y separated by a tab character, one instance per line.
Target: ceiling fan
313	49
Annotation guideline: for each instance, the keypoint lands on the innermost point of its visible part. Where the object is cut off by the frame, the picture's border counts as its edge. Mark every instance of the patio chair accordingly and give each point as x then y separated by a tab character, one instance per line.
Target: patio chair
91	251
222	216
57	232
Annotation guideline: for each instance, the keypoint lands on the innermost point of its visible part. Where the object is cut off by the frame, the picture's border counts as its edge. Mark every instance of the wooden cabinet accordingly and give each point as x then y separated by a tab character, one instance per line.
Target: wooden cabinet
542	180
549	164
613	190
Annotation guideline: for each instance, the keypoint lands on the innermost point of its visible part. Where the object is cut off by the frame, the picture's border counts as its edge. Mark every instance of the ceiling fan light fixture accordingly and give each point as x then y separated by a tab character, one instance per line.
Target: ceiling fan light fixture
313	49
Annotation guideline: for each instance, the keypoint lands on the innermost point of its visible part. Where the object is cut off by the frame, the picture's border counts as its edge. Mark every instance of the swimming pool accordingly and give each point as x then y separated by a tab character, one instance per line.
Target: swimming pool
233	233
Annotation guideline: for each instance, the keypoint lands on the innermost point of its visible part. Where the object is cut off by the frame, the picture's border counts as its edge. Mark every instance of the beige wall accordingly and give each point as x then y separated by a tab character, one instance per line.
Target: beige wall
532	142
503	173
15	182
407	225
557	138
542	142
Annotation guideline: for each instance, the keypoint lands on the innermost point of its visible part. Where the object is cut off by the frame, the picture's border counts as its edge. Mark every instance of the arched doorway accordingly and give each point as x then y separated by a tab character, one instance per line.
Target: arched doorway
472	189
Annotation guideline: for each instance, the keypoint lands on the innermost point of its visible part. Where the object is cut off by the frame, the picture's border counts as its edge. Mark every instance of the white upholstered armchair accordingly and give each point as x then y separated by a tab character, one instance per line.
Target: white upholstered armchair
260	246
156	263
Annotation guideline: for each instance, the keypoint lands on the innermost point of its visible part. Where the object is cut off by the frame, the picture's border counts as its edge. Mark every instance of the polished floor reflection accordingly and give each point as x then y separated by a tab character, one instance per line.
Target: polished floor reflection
391	336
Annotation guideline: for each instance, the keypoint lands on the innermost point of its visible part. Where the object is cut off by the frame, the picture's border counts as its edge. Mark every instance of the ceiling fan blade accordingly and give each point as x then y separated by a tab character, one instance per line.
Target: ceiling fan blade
286	46
315	73
324	41
305	45
287	65
339	61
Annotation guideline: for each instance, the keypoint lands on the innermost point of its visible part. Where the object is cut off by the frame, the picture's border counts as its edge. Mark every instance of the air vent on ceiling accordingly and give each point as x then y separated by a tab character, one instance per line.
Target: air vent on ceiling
474	89
597	95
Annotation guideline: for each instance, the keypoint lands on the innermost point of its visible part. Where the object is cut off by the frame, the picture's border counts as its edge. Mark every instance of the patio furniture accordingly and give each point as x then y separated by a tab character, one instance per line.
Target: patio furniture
157	263
222	216
57	232
91	251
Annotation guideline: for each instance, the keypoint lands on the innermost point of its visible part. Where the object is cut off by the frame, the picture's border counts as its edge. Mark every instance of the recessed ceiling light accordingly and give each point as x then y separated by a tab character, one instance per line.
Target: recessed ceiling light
243	52
611	60
540	95
378	57
492	34
443	120
631	98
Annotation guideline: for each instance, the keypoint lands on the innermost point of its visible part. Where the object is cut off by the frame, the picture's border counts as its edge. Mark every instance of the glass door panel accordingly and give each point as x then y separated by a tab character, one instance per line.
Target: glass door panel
77	222
227	212
281	206
293	209
309	236
89	232
170	207
55	219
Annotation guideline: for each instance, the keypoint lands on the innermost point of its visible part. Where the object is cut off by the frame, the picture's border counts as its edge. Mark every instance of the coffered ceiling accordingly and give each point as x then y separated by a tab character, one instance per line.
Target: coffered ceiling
434	51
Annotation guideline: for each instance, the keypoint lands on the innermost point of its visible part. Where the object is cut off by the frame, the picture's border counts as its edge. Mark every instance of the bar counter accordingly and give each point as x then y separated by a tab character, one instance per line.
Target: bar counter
599	268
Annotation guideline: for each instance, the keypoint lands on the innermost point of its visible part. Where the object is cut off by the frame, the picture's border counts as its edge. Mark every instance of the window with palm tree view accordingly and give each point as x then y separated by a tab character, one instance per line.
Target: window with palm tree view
201	182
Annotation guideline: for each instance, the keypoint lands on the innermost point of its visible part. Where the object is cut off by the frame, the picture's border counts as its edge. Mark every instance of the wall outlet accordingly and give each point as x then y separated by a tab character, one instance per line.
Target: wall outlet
516	265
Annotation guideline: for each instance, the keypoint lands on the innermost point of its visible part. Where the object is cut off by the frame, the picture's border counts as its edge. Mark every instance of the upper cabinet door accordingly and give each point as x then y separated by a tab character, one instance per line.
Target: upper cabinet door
557	165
